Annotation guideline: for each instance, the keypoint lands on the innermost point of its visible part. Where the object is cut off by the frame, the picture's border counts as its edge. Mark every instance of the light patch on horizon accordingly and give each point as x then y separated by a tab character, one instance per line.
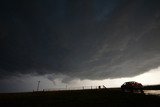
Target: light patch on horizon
149	78
29	83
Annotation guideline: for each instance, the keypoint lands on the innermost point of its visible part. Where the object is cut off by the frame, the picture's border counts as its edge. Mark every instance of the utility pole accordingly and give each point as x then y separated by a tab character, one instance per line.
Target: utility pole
66	87
38	86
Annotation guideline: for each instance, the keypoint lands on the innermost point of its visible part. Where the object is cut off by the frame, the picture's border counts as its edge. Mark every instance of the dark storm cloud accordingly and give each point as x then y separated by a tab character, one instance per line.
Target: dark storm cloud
81	39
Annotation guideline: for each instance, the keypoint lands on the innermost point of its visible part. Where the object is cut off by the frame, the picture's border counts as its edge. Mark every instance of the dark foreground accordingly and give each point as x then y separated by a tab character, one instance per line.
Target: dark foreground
80	98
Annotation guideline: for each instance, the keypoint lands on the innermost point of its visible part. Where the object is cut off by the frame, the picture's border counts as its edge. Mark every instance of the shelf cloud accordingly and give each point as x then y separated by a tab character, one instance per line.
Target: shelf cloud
79	39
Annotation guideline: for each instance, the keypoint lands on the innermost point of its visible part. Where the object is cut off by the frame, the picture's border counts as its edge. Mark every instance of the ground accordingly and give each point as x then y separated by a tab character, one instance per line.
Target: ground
79	98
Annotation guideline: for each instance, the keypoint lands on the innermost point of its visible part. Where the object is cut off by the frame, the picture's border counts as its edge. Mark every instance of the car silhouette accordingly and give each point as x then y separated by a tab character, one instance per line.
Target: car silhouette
132	86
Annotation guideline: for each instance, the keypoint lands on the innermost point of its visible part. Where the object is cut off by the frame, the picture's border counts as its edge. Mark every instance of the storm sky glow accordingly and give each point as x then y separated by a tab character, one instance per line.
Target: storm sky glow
78	43
29	83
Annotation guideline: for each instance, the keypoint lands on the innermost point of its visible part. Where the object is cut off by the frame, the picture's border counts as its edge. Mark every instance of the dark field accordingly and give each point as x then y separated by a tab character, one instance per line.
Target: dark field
79	98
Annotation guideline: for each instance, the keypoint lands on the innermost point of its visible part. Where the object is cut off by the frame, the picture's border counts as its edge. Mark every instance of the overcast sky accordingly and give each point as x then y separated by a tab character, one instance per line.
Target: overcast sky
77	39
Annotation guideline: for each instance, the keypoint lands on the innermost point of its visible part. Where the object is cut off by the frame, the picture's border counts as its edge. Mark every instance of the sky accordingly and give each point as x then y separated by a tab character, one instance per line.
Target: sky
77	43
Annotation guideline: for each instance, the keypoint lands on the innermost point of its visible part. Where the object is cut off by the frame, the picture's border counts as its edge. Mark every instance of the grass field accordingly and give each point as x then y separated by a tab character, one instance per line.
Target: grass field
79	98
